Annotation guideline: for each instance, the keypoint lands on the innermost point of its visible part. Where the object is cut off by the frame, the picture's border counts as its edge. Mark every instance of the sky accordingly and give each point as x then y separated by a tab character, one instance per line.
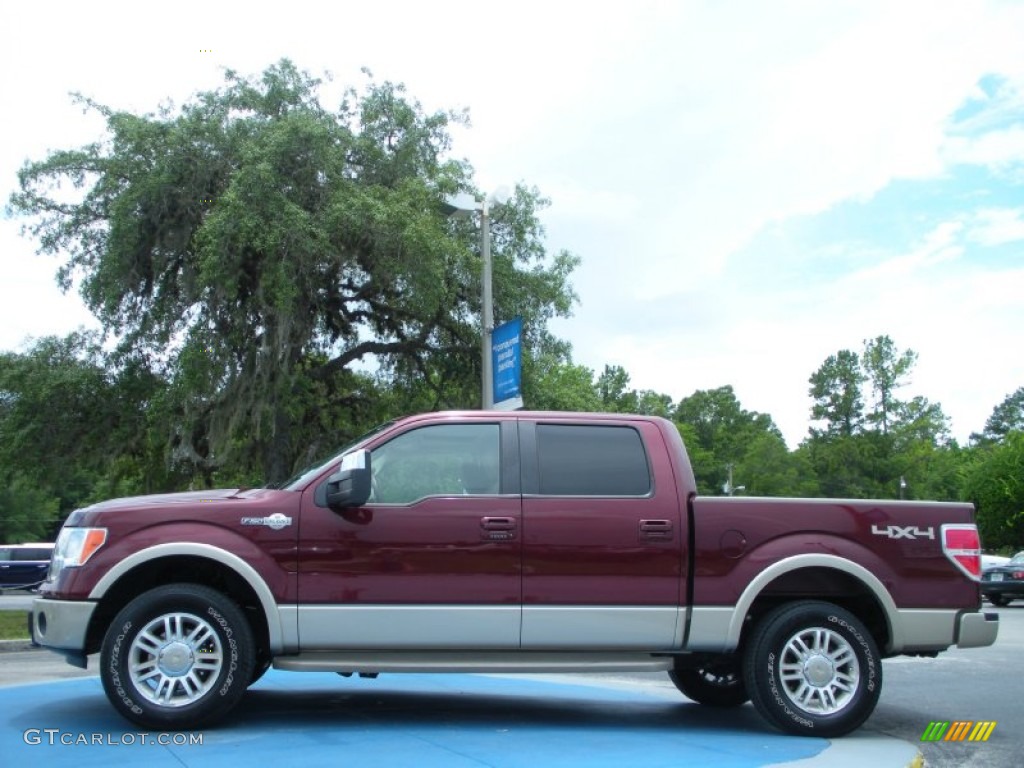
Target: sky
751	186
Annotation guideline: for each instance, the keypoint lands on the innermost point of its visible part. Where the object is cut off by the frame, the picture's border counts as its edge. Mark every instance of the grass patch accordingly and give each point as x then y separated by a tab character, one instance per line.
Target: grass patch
13	625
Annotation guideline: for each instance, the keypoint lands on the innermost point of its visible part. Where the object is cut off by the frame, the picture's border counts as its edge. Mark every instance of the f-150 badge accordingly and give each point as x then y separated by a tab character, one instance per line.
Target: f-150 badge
275	522
904	532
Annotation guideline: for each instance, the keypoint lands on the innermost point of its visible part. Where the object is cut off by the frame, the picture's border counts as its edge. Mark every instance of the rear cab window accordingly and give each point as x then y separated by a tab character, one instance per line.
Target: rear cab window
591	460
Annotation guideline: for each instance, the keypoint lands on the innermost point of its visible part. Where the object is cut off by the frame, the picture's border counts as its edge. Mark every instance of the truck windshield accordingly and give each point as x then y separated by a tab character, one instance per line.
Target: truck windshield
299	480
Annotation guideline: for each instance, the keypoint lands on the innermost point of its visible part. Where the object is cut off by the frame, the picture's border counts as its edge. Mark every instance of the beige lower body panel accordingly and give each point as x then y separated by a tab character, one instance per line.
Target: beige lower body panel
472	661
440	627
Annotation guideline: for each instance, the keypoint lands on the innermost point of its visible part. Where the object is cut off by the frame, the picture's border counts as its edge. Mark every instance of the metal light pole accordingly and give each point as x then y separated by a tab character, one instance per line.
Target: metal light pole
463	204
729	488
487	312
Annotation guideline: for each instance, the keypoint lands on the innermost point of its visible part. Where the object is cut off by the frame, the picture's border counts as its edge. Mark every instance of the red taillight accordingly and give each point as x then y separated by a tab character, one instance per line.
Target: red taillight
1019	575
962	546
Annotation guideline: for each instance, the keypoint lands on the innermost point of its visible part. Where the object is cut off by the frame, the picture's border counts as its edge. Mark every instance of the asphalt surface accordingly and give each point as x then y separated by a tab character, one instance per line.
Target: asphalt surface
973	684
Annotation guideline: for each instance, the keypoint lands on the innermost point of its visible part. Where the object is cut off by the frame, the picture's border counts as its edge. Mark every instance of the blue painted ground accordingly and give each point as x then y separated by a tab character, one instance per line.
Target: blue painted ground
320	719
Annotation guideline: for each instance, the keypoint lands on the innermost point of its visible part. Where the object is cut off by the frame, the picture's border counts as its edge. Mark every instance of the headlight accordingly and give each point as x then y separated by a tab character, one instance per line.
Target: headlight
74	547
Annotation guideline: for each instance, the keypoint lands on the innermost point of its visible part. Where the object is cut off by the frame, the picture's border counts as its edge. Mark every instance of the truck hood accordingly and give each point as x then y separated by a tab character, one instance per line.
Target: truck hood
185	497
206	505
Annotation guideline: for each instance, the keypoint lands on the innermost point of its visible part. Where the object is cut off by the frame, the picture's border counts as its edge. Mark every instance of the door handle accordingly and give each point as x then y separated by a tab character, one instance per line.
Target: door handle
498	523
498	528
655	530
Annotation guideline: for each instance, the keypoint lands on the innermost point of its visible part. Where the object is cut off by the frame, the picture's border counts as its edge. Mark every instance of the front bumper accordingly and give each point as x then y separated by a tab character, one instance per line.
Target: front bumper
977	630
61	624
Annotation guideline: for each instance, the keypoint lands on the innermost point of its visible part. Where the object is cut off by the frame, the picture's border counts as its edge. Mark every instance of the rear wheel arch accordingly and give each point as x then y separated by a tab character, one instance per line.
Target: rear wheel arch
822	577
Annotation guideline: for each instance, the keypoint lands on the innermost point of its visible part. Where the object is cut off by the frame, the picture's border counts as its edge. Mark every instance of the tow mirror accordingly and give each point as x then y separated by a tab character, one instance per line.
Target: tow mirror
350	485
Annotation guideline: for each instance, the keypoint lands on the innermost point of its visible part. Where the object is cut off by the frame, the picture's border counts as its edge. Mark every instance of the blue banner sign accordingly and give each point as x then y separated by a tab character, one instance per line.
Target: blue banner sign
507	362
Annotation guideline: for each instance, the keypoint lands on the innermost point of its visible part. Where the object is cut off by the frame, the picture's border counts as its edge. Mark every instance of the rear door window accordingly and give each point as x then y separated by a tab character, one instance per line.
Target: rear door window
585	460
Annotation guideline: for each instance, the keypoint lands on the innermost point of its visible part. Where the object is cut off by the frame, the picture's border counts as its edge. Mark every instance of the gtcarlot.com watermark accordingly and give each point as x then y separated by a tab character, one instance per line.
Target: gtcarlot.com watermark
54	736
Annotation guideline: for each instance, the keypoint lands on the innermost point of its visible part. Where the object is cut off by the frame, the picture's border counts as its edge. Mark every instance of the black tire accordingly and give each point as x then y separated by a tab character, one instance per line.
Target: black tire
812	669
716	684
999	600
177	657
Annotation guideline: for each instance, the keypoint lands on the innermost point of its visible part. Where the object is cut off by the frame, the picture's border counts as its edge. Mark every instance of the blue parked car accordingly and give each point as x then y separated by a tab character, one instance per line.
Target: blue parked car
24	566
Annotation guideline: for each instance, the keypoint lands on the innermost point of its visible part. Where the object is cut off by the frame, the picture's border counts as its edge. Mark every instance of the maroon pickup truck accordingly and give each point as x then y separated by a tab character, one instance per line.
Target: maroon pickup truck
511	542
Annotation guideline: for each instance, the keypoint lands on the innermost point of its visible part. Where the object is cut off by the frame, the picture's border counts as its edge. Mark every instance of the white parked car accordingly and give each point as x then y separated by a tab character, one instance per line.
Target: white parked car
992	561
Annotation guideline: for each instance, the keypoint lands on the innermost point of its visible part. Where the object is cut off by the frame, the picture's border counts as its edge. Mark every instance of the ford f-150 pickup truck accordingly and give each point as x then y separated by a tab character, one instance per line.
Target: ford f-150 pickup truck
511	542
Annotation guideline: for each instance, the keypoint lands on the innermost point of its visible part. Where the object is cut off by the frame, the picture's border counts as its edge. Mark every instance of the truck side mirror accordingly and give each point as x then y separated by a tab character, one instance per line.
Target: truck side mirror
350	485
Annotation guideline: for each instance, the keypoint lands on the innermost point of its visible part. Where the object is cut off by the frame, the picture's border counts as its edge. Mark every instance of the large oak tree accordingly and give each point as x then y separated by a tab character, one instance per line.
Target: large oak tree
263	252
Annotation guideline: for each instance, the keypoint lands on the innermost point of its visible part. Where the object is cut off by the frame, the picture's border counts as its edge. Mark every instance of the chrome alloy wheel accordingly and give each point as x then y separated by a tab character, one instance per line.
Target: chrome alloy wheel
175	659
819	671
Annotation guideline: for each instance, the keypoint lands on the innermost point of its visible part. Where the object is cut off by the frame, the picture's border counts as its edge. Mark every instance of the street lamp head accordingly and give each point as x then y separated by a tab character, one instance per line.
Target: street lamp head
500	196
460	205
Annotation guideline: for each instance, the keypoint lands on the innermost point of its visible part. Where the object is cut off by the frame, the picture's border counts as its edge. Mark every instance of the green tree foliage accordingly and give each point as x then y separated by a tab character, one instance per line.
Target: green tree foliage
257	250
769	468
26	512
895	449
1006	417
613	389
886	369
554	384
75	426
651	403
855	467
723	431
994	481
836	391
69	415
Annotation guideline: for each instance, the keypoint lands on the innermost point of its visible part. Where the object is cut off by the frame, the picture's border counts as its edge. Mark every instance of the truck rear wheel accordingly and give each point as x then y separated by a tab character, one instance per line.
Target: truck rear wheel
716	684
813	669
177	657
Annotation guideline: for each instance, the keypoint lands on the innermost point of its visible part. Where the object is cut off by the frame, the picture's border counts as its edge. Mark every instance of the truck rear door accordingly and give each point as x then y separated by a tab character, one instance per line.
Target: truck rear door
603	536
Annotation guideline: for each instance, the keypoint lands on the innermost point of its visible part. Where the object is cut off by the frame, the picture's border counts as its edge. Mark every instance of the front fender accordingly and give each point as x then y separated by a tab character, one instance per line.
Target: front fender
230	560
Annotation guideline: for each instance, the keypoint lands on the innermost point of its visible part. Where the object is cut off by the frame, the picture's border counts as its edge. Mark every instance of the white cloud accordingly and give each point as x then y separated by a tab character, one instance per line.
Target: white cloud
998	149
997	226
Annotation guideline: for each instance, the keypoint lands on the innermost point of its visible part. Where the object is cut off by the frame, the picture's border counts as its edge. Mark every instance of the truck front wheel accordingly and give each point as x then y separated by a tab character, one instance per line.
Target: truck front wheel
177	657
813	669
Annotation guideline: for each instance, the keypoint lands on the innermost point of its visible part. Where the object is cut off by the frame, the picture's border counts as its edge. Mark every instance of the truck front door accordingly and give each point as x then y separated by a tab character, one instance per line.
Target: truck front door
433	560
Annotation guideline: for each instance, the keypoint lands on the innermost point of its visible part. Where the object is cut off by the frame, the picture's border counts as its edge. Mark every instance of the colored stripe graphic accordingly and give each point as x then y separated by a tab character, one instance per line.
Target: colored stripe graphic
958	730
982	731
935	730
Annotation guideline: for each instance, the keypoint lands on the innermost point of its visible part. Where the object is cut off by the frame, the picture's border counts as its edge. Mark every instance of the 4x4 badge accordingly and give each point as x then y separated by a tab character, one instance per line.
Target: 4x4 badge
904	532
275	522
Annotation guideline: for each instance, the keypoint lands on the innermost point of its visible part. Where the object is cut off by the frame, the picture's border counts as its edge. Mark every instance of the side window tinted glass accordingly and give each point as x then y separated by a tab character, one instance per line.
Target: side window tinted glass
441	460
591	461
33	553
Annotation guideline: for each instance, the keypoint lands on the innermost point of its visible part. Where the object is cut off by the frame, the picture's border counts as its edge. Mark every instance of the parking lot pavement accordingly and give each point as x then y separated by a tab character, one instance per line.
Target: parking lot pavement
313	719
16	600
